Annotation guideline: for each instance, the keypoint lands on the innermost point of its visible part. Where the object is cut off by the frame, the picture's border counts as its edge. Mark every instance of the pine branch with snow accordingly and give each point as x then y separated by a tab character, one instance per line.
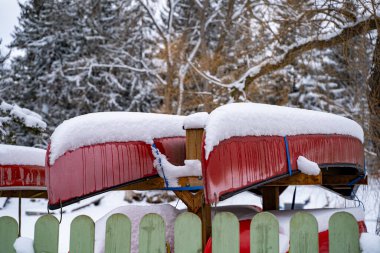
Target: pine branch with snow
11	115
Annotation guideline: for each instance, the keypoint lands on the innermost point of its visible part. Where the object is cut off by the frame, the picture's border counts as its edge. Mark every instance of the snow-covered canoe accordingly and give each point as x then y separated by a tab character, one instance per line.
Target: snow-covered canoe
99	152
247	145
22	171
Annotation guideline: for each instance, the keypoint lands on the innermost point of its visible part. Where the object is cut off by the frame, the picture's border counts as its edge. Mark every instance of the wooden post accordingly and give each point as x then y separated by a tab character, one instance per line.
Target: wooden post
194	144
271	196
196	202
19	214
205	216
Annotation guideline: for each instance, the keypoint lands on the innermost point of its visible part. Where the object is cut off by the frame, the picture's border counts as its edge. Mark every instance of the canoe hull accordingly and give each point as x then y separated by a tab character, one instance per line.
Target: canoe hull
240	163
94	169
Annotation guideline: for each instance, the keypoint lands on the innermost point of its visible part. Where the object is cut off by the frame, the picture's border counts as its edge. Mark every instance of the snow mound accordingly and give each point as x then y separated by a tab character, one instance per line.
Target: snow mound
96	128
135	214
251	119
196	120
369	243
283	243
23	245
20	155
308	167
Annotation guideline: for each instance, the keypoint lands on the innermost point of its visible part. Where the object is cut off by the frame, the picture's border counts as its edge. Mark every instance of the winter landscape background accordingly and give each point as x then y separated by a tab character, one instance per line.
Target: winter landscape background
68	58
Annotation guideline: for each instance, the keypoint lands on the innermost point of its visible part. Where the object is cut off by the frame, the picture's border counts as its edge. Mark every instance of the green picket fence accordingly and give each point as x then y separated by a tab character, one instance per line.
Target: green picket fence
264	237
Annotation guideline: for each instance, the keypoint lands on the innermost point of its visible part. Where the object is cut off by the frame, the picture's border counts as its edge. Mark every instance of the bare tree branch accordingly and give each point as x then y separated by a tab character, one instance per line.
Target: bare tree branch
320	42
346	34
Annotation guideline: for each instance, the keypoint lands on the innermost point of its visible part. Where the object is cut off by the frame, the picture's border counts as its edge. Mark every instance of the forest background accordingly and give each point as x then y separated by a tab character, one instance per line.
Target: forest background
185	56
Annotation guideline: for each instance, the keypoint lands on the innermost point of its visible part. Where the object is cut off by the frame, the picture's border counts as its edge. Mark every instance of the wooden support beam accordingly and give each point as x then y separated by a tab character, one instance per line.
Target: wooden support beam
206	222
271	198
195	203
192	201
190	181
157	183
148	184
24	194
194	151
343	180
322	179
297	179
194	144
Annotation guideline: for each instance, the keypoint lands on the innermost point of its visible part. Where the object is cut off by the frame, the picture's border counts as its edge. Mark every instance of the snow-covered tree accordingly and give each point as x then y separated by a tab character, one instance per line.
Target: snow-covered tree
16	122
185	56
79	59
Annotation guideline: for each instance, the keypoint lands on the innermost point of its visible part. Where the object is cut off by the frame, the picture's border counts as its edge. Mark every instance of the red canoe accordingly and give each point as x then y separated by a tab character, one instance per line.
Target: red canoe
244	146
114	162
22	171
98	168
247	145
240	163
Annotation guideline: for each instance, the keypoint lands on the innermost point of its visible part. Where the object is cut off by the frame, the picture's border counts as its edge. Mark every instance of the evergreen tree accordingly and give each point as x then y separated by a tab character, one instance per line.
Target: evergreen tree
77	60
16	122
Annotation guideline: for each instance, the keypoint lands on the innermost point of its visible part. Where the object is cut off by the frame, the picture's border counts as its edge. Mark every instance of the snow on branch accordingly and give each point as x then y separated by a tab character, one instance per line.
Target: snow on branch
117	66
25	116
155	23
318	42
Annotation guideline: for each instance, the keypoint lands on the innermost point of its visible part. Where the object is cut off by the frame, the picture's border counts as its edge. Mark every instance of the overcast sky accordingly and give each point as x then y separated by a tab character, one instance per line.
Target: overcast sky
9	12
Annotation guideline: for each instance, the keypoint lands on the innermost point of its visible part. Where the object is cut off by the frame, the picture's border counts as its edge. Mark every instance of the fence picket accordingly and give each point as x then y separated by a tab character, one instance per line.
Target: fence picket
152	234
343	233
8	234
82	235
188	233
118	234
303	233
46	234
225	233
264	233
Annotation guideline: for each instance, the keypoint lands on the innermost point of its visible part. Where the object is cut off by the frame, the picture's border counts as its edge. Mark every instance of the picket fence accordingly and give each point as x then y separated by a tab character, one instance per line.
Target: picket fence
264	234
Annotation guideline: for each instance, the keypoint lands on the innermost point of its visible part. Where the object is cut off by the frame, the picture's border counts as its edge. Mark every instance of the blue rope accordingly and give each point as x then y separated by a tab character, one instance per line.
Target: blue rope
160	164
186	188
355	180
288	155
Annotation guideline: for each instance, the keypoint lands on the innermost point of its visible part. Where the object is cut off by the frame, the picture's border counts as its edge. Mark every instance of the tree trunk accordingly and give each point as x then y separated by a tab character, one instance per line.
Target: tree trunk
374	101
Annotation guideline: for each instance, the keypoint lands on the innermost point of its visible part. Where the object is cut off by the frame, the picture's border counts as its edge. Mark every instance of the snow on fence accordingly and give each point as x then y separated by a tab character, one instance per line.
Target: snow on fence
264	234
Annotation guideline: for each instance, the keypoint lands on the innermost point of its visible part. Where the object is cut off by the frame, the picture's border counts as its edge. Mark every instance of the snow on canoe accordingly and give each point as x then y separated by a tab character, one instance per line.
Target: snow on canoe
22	171
245	145
98	152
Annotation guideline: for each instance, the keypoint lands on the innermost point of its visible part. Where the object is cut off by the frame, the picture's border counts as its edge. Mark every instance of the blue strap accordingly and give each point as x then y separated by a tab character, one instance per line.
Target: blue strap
160	164
288	155
355	180
186	188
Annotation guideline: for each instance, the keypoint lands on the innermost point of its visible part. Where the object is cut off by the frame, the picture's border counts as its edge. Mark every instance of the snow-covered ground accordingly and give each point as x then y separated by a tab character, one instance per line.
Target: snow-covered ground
309	196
